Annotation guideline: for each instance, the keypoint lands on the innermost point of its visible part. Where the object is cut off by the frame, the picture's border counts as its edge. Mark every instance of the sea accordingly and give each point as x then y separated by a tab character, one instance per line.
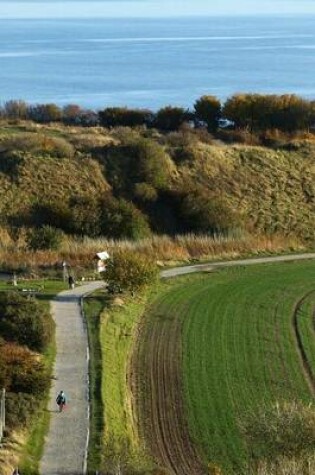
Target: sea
151	63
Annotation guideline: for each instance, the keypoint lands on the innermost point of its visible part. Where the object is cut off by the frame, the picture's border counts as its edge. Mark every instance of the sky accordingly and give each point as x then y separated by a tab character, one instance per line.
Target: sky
150	8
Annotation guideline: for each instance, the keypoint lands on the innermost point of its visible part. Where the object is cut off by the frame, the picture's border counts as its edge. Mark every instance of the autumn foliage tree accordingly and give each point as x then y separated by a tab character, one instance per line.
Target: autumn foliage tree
130	270
208	110
259	112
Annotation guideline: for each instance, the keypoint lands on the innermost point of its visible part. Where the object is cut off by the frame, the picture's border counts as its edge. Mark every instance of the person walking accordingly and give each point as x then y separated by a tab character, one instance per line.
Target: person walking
61	400
71	282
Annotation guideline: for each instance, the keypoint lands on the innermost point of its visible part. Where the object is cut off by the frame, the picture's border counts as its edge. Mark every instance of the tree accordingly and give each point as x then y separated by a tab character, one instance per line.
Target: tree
208	110
130	270
171	118
121	116
45	113
259	112
71	114
15	110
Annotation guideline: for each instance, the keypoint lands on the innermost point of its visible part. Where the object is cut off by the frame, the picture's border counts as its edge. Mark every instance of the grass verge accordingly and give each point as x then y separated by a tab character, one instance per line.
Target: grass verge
122	446
93	306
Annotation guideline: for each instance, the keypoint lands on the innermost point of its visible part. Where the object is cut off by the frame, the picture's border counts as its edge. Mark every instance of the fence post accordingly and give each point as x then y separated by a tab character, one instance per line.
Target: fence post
2	413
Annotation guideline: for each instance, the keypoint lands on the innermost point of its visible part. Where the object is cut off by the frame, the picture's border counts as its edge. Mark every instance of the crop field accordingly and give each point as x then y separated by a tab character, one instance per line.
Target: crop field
214	349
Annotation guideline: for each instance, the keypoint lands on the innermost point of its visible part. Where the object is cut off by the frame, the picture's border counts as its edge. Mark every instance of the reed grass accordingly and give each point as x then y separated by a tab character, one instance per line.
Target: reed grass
166	250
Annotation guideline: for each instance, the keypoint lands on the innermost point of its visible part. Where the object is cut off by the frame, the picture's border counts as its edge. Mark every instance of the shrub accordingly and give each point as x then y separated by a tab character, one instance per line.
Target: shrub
171	118
121	116
137	161
24	370
20	409
121	219
145	192
130	270
25	321
283	430
45	238
203	212
55	213
85	216
38	144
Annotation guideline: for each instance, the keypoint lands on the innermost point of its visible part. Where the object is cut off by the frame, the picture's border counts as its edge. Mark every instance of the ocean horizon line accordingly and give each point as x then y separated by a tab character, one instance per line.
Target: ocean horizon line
164	17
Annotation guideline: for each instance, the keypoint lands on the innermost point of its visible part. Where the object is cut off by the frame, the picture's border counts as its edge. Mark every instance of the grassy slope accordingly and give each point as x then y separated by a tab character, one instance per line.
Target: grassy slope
52	178
240	349
273	189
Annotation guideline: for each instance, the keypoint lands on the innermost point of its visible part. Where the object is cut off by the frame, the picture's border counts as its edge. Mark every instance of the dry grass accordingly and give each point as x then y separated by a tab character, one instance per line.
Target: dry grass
286	466
10	452
284	435
165	250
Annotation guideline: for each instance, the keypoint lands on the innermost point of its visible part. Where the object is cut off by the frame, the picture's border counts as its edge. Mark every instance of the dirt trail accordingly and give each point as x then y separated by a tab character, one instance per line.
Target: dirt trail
66	442
305	363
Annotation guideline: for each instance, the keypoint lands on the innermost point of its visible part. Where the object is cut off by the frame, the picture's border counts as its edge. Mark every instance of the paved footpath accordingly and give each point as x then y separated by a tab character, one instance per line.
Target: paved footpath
66	442
207	267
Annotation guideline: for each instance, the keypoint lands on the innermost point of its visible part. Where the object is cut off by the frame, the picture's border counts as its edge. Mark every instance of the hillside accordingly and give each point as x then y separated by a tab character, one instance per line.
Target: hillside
273	190
135	182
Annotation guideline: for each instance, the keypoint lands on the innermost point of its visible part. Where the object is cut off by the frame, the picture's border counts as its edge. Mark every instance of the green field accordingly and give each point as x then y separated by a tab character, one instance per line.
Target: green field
241	349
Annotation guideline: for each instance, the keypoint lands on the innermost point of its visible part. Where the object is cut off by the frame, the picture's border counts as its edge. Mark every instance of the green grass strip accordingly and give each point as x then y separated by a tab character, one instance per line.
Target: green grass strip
94	305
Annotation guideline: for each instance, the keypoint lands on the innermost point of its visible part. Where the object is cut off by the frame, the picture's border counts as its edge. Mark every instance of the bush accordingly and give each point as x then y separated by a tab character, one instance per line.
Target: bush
121	116
38	144
25	321
283	430
20	409
45	238
55	213
121	219
171	118
145	192
137	161
24	370
202	212
130	270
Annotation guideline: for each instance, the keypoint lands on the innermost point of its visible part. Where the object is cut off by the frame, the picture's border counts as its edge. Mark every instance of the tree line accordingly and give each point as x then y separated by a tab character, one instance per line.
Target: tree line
250	112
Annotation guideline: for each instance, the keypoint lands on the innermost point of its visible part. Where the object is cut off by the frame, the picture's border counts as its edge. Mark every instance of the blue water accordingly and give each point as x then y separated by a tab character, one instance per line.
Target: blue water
151	63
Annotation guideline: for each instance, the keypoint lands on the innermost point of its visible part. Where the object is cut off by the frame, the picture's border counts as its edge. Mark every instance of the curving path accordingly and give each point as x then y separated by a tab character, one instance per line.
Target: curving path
66	442
177	271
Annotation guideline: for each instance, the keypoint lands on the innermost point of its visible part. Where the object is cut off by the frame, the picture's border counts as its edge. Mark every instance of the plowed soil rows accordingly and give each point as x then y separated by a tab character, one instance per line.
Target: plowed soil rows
216	347
160	406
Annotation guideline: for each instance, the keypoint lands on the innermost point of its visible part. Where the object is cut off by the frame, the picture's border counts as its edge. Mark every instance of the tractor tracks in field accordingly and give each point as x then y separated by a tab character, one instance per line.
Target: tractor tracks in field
157	369
305	363
156	378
